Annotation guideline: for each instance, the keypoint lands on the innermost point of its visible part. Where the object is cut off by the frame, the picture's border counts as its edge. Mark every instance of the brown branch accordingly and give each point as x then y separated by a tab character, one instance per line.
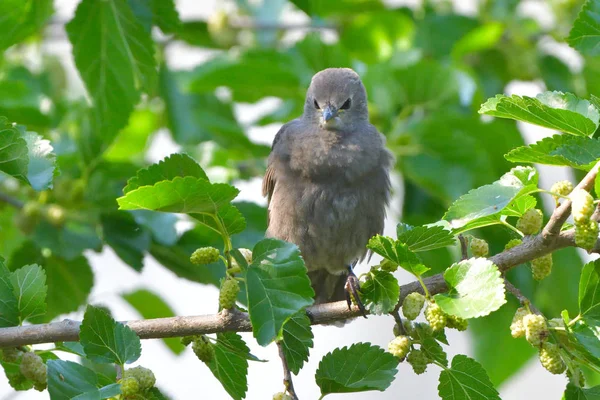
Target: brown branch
11	200
512	289
463	246
549	240
287	375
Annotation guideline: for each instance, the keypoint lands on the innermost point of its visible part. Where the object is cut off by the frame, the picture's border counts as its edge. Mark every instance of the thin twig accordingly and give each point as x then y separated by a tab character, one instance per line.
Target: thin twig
512	289
11	200
398	319
596	215
463	247
287	375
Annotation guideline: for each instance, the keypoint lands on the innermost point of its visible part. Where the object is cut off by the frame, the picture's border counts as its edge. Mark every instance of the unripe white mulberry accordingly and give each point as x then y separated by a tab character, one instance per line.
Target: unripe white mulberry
412	305
536	330
282	396
435	316
228	294
399	346
512	243
517	329
551	360
562	188
458	323
205	255
203	349
479	247
129	387
33	368
418	360
387	265
582	205
586	234
541	267
530	223
144	376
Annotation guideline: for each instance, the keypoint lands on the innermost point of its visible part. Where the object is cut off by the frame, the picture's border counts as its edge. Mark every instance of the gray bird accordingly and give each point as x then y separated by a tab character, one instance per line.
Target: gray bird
327	183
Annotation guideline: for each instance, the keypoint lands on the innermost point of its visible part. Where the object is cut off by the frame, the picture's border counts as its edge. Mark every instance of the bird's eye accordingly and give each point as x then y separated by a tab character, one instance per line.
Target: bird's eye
317	105
346	105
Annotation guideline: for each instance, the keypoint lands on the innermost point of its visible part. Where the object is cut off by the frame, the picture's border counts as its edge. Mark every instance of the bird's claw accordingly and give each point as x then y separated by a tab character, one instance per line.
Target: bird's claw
352	288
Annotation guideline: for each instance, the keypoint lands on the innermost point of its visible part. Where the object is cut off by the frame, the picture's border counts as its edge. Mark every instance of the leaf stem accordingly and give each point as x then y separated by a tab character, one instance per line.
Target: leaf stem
425	290
575	320
503	222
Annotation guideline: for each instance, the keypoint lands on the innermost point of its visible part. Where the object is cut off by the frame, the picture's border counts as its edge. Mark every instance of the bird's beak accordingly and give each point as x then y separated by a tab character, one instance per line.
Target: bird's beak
329	112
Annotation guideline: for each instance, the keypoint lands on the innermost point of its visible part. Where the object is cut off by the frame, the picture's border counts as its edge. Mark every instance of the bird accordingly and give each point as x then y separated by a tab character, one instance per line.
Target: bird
327	183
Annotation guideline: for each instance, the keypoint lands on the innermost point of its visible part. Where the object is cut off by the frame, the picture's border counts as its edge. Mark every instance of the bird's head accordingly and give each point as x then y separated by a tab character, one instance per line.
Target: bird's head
336	99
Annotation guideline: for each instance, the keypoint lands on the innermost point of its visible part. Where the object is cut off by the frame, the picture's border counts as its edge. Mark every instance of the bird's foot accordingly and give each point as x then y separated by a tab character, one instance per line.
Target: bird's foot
352	288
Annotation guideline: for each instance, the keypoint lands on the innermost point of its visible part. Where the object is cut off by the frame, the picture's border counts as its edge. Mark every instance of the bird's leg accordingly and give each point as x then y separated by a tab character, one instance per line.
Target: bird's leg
352	291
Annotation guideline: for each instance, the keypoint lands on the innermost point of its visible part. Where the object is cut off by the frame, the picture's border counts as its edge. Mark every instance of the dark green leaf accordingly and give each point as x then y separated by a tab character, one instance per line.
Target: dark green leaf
68	380
20	19
349	7
588	338
175	165
381	292
180	195
69	284
555	110
475	289
358	368
297	341
126	237
426	84
9	307
466	380
589	292
278	287
115	57
585	34
68	241
577	393
429	344
438	34
425	238
150	305
107	341
161	13
230	364
573	151
398	253
29	286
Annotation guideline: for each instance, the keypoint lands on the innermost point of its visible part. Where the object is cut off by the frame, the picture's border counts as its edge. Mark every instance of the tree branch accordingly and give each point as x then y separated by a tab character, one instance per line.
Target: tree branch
463	246
512	289
11	200
549	240
287	375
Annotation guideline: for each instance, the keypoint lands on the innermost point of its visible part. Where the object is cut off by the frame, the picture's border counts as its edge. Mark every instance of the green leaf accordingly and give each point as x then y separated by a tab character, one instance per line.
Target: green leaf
69	284
429	344
555	110
230	364
466	380
563	150
576	393
589	291
493	198
161	13
425	238
230	217
161	225
297	341
9	306
171	167
358	368
180	195
107	341
69	240
398	253
150	305
21	19
475	289
278	287
115	57
14	156
41	161
585	34
126	237
349	7
29	285
588	339
381	292
68	380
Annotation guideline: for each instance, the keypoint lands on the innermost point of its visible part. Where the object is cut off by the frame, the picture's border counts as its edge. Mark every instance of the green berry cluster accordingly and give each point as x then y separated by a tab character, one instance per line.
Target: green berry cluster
229	291
586	234
551	360
582	205
129	387
479	247
436	317
282	396
399	346
11	354
418	360
387	265
536	330
205	255
512	243
561	188
530	222
458	323
186	340
143	376
541	267
203	349
33	368
517	329
412	305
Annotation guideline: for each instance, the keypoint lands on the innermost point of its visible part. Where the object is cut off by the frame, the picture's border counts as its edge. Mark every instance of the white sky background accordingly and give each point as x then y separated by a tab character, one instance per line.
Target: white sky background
184	377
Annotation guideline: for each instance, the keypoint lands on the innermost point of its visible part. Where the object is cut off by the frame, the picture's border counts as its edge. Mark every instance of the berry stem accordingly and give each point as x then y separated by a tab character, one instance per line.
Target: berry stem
575	320
425	290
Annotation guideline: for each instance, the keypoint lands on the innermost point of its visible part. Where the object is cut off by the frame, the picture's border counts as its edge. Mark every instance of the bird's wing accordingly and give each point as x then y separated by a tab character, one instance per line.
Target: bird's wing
269	181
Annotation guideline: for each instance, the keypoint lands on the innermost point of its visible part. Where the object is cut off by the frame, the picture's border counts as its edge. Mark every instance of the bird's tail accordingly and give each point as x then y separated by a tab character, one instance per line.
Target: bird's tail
328	287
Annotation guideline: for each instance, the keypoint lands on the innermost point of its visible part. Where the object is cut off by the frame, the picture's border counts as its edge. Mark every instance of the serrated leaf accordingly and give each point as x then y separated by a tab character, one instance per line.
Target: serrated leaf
589	291
358	368
277	288
429	343
555	110
564	150
475	289
69	284
187	195
9	309
150	305
29	286
577	393
171	167
297	341
22	18
230	364
161	13
425	238
115	58
520	206
14	156
398	253
491	199
588	341
231	219
68	380
381	292
466	380
107	341
585	33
